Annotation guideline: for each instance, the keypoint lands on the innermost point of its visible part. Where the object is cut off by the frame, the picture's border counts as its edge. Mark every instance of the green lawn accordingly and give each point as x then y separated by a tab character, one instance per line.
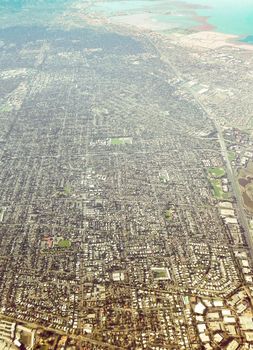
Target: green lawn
217	189
163	179
160	274
64	243
216	172
121	140
5	108
117	141
231	156
169	214
67	190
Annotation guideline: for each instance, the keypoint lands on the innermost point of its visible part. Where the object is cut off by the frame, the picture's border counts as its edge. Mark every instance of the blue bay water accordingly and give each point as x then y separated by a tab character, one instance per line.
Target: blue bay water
228	16
30	12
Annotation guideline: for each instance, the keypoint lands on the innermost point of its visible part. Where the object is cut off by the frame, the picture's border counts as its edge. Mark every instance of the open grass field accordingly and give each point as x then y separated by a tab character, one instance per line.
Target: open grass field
67	190
121	140
231	156
217	189
5	108
64	243
216	172
117	141
160	273
169	214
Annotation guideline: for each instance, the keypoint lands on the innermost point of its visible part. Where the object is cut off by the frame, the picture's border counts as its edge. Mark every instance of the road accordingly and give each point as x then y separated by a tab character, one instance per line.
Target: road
240	207
82	338
230	174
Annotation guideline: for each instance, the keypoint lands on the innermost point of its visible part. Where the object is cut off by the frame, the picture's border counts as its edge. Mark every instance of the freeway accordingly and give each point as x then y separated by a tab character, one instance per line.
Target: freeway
240	207
231	177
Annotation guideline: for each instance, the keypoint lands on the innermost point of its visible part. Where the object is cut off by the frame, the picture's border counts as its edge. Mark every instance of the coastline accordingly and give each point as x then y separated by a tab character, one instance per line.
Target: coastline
210	40
204	25
202	34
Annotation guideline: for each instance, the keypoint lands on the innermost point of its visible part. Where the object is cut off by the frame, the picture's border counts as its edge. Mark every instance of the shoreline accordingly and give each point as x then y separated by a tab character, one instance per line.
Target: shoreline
203	34
204	25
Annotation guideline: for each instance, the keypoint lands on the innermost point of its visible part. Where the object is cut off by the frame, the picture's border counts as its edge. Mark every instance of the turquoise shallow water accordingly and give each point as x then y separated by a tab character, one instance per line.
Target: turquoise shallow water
164	12
30	12
228	16
112	7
